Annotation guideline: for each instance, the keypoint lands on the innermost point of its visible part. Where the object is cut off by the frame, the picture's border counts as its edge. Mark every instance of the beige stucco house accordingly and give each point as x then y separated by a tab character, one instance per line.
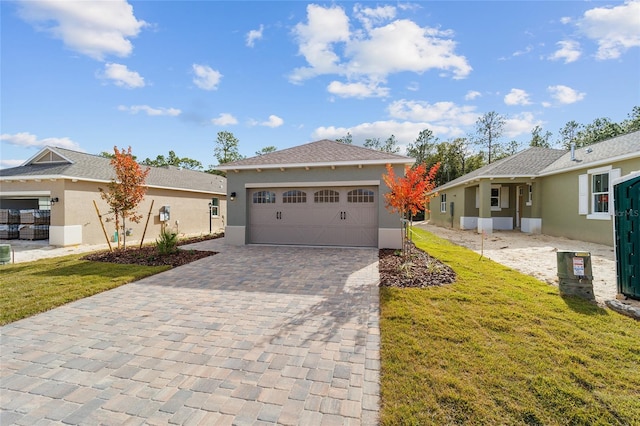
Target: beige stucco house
323	193
542	190
66	182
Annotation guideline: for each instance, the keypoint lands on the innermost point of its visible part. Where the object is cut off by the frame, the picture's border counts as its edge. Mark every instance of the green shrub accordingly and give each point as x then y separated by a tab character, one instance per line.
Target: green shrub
167	242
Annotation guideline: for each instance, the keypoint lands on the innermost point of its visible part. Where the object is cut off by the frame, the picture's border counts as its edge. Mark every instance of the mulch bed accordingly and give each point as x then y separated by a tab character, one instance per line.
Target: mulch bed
149	256
421	270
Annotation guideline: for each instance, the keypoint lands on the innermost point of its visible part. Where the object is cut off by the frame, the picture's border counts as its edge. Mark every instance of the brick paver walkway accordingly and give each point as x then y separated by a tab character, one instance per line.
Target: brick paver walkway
253	335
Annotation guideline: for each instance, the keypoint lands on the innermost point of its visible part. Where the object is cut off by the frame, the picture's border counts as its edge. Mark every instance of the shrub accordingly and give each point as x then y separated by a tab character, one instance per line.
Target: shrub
167	242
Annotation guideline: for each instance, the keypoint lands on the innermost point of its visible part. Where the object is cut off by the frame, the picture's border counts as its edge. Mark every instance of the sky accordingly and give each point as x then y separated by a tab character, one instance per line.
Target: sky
169	75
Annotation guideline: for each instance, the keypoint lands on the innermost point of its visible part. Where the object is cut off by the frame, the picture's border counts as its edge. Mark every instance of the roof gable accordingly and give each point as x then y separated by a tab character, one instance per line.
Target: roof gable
316	154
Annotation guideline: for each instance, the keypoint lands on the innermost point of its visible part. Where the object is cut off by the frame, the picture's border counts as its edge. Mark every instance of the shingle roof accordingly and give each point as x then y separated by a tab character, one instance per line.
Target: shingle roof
524	163
318	153
84	166
545	161
611	148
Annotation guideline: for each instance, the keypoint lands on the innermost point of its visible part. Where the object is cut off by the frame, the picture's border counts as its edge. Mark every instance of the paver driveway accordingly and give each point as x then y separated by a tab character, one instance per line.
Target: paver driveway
252	335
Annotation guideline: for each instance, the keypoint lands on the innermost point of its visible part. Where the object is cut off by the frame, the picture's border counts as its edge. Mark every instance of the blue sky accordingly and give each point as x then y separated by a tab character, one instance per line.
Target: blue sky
169	75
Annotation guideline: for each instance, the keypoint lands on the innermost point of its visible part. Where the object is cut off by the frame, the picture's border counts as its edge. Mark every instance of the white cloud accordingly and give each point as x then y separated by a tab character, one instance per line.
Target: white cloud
615	29
471	95
224	119
445	114
357	90
5	164
95	29
517	97
254	35
315	39
565	20
372	16
274	121
569	51
564	94
404	46
134	109
520	124
206	77
25	139
374	51
122	76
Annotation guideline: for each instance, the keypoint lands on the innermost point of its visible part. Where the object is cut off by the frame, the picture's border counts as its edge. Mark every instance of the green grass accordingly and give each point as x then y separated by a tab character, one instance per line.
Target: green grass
500	347
33	287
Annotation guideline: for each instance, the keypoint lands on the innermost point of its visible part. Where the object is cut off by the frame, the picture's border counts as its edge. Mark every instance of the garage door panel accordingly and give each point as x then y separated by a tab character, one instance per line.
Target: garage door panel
314	216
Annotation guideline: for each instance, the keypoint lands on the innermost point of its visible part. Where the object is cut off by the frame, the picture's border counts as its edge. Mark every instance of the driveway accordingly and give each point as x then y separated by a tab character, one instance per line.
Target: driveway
252	335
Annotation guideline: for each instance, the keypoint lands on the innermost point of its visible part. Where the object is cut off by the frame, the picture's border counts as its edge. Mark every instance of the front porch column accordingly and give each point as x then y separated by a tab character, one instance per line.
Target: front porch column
485	223
533	224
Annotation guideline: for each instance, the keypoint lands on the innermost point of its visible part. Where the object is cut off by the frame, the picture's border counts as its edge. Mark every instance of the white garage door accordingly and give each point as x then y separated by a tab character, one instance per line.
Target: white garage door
314	216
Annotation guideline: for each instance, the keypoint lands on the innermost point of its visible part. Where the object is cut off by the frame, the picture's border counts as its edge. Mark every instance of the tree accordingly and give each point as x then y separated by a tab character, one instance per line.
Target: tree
538	139
125	191
422	147
489	129
569	133
598	130
226	149
348	139
409	194
266	150
390	145
507	150
173	160
632	123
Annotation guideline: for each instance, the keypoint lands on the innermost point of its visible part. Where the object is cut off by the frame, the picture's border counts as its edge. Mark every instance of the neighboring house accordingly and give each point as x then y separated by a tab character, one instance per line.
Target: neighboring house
322	193
542	190
67	182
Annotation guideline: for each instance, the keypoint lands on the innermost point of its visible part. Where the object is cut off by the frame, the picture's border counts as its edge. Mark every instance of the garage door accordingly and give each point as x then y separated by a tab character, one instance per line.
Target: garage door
314	216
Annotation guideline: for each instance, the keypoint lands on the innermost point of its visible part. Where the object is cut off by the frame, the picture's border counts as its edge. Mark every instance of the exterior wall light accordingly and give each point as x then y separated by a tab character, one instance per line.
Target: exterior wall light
53	200
232	196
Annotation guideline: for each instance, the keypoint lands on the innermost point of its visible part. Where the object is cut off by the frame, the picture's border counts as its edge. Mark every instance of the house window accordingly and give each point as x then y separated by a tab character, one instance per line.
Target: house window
443	203
294	196
530	197
600	193
360	196
326	196
495	198
264	197
595	192
215	207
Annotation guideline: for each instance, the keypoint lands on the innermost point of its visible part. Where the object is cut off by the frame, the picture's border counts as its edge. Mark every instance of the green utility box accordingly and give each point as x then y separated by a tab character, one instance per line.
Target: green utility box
627	234
5	253
574	274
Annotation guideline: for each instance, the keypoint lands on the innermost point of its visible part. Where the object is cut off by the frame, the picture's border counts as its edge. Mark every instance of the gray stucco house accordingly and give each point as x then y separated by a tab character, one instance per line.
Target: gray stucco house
323	193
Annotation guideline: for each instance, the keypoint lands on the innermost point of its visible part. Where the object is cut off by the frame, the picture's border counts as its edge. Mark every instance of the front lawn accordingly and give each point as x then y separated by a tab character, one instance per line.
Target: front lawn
33	287
500	347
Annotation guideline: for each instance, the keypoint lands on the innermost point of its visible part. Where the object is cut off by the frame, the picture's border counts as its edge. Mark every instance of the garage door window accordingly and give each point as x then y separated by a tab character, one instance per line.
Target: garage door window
360	196
264	197
294	196
326	196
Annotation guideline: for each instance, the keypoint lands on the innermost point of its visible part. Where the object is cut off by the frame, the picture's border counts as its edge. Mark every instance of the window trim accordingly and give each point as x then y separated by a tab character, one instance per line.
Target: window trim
215	207
443	203
529	201
586	194
361	196
499	197
259	197
294	196
329	196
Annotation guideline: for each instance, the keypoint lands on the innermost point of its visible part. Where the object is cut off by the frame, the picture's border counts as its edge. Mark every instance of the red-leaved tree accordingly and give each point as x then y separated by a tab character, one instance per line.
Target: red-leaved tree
409	194
126	191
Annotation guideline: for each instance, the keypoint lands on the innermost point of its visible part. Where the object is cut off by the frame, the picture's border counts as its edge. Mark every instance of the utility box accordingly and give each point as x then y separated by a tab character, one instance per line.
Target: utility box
165	213
626	200
574	274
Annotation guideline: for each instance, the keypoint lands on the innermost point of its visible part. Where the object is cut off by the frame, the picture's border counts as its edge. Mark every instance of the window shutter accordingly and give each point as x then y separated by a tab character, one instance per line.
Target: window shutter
477	197
583	194
613	174
504	197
